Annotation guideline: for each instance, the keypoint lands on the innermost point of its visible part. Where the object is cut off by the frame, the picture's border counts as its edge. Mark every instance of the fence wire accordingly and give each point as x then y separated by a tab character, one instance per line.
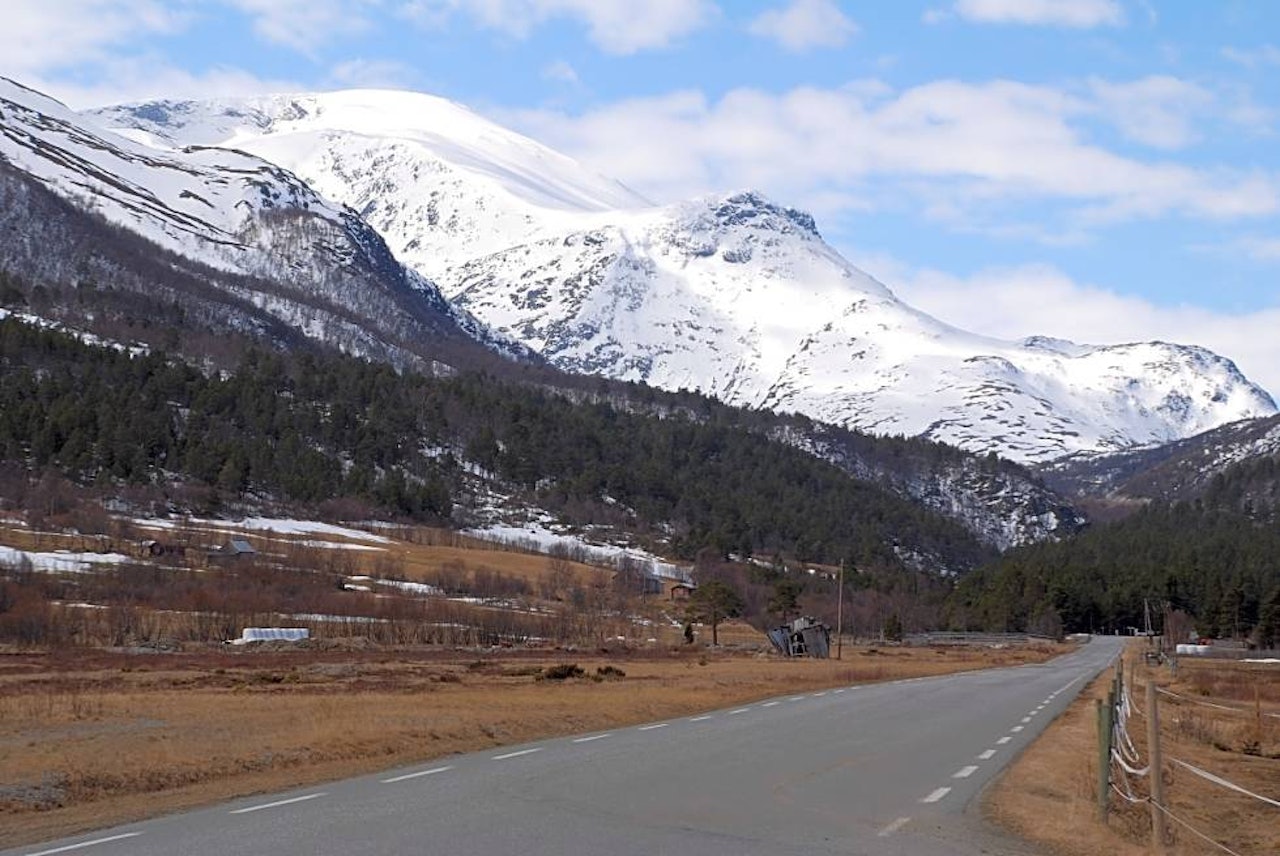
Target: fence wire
1124	755
1221	782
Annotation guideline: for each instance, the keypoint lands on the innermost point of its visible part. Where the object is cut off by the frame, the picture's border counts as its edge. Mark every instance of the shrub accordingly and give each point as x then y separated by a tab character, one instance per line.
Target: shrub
561	672
610	672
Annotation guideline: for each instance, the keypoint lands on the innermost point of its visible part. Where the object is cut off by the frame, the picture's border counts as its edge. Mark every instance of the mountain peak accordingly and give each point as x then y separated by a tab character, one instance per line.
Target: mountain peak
731	294
753	208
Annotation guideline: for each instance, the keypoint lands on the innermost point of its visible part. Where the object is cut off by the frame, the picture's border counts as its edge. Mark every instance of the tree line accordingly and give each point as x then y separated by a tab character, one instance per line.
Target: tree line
309	426
1217	564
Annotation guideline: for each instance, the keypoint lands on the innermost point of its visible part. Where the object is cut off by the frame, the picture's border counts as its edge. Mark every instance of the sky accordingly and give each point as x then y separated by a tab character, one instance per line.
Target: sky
1098	170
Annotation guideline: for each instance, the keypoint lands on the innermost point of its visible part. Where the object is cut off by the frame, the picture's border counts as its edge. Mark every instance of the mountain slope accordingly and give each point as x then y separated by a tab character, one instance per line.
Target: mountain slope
730	295
248	231
440	183
742	299
1244	456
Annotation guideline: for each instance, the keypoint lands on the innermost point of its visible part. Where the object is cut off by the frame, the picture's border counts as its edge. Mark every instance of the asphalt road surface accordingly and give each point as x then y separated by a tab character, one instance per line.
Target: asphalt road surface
875	769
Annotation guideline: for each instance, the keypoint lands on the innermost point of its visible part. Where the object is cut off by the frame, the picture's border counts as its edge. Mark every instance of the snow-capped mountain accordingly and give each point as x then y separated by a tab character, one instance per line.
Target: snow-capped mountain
731	295
260	235
440	183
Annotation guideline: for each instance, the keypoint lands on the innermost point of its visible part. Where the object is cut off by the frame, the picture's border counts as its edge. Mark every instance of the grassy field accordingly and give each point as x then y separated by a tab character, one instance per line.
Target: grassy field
92	739
1226	720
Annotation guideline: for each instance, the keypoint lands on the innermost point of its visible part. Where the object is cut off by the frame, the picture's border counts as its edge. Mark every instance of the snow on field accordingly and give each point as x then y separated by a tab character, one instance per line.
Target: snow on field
283	526
335	545
60	561
403	585
544	540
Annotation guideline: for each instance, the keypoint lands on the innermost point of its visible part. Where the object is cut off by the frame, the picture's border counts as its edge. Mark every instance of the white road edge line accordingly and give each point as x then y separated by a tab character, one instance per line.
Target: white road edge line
965	772
738	711
655	725
893	827
592	737
1004	740
797	698
67	847
820	695
276	804
416	775
517	754
702	718
987	755
771	703
936	795
837	692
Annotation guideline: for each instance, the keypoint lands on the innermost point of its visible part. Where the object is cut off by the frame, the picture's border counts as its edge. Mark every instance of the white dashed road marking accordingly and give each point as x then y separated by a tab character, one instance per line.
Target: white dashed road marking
738	711
67	847
770	704
655	725
592	737
936	795
417	775
894	827
276	804
517	754
989	754
701	718
1016	729
1004	740
965	772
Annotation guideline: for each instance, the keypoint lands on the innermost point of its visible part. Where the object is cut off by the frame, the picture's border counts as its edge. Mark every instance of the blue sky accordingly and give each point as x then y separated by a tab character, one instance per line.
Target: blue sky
1102	170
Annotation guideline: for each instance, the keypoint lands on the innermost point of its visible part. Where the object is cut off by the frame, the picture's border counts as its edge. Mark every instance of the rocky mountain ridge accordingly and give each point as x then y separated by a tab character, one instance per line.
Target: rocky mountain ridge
732	295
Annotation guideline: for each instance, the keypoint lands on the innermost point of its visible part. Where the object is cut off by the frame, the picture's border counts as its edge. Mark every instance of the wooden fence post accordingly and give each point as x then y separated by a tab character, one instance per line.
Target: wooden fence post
1155	769
1103	709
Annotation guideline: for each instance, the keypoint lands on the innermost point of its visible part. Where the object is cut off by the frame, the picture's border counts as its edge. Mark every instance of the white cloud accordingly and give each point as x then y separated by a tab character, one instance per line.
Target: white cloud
615	26
1077	14
372	74
146	78
561	71
1259	248
39	36
1159	111
1015	302
304	25
805	24
1266	55
958	150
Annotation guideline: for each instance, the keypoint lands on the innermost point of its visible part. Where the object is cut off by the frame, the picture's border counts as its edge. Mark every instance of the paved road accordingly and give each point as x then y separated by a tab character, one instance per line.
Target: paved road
874	769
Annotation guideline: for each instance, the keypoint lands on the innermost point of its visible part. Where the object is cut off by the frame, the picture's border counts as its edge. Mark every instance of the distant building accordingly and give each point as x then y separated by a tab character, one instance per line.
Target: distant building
680	591
235	548
804	637
241	547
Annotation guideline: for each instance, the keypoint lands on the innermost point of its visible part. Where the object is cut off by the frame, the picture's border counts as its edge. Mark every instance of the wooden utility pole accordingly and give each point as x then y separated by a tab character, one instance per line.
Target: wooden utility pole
1154	771
840	614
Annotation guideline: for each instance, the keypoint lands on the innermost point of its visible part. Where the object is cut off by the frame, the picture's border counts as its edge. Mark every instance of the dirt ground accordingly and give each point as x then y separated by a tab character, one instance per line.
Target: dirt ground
1225	719
90	739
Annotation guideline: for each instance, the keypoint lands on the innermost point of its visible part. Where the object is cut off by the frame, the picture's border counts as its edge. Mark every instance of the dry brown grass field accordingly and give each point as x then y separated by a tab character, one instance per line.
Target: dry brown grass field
1225	721
89	739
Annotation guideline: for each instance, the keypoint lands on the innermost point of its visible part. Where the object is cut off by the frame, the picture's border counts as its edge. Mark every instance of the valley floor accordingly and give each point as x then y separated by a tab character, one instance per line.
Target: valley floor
95	738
